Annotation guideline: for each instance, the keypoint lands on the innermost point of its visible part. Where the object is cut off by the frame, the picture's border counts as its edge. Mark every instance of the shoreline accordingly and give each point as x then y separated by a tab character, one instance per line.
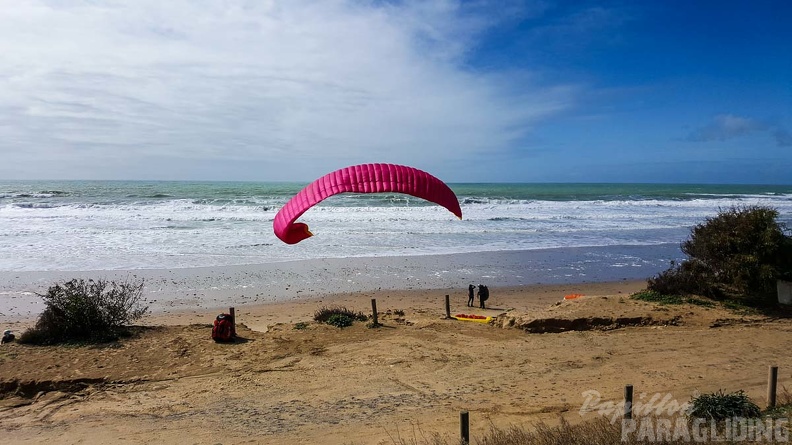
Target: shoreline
210	288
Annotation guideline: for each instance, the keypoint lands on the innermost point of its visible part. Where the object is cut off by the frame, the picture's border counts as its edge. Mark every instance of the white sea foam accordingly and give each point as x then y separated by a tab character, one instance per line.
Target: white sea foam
59	231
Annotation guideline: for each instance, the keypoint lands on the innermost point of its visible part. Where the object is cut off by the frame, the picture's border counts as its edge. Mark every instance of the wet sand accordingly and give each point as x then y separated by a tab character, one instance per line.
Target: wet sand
178	290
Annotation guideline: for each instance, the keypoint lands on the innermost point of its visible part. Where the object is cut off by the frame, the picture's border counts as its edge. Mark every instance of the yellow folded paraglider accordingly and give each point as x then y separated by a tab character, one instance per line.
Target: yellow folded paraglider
472	317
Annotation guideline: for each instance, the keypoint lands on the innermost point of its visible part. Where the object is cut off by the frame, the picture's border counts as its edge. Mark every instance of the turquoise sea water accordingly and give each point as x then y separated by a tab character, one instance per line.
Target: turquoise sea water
86	225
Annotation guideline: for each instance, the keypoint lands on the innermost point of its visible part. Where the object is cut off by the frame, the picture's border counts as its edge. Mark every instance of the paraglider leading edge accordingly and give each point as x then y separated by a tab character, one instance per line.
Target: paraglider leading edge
364	178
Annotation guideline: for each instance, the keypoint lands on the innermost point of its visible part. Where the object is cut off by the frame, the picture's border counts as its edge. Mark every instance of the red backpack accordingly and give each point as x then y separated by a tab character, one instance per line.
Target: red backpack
223	329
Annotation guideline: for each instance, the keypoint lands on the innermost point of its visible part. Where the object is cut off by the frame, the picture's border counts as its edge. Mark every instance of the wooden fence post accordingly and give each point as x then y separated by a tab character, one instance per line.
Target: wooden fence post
448	306
772	381
374	311
233	321
464	427
628	402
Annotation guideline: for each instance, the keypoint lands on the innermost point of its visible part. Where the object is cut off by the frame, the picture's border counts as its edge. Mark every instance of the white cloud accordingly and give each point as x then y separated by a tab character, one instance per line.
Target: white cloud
728	126
97	83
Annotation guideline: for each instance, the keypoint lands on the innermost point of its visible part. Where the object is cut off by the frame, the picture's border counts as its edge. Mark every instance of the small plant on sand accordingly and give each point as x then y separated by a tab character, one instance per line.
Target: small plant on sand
783	408
656	297
721	406
301	325
325	313
87	311
340	320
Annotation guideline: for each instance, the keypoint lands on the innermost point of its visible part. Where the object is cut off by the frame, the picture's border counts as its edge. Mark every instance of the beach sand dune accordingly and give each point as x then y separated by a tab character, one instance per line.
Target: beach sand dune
170	383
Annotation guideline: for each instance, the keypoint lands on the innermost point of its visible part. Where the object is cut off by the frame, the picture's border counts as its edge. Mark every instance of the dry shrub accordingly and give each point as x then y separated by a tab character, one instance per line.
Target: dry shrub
87	311
599	431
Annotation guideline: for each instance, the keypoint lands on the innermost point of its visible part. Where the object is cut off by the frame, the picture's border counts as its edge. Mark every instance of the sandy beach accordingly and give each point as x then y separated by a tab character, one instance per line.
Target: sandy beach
409	379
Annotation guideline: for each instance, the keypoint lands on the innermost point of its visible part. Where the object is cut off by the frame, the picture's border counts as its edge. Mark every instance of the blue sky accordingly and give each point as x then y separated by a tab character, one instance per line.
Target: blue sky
477	91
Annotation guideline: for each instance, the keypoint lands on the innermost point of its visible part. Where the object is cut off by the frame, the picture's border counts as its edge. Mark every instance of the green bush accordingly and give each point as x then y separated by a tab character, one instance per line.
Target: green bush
340	320
86	311
721	406
737	255
683	278
324	313
340	317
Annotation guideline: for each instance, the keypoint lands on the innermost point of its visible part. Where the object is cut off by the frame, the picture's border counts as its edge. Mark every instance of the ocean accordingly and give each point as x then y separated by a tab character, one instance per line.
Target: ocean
128	225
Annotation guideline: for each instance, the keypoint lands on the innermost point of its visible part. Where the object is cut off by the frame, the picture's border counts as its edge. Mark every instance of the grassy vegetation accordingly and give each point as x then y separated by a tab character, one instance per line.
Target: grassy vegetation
595	432
738	306
340	320
720	406
339	317
783	408
659	298
600	431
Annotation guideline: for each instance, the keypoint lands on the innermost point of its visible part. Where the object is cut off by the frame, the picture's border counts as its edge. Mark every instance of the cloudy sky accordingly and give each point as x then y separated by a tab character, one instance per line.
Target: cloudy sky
473	91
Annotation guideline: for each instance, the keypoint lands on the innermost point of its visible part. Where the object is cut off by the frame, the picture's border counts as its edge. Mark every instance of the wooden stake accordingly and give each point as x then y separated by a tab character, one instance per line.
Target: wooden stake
772	381
448	306
464	427
374	311
628	402
233	322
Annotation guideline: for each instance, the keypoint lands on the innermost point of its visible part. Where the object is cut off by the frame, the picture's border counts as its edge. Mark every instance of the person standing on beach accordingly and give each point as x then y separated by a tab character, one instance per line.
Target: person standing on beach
471	296
483	294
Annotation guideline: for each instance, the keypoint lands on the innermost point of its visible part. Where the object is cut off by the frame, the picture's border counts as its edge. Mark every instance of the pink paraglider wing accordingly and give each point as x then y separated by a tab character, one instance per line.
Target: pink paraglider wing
365	178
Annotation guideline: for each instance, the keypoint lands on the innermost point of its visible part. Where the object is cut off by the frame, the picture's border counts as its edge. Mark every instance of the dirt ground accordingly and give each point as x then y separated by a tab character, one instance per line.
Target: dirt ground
279	384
